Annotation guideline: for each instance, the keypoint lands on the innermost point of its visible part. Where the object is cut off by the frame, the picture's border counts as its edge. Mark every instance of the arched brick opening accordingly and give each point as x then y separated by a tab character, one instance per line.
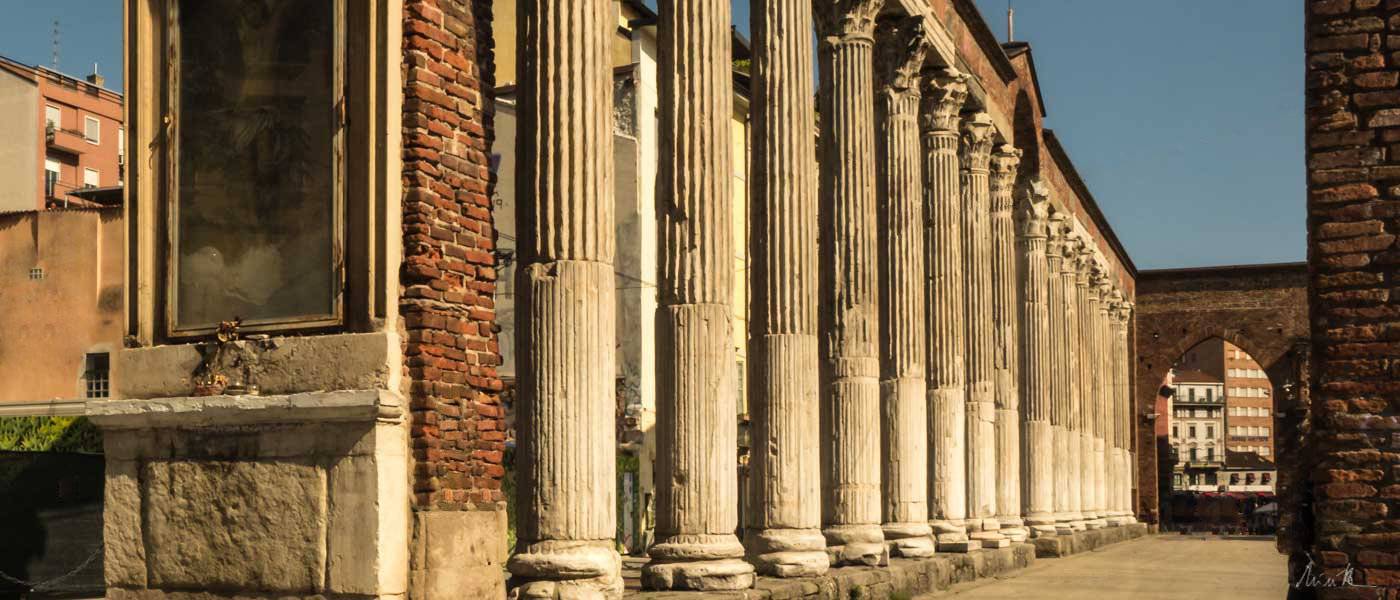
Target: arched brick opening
1263	309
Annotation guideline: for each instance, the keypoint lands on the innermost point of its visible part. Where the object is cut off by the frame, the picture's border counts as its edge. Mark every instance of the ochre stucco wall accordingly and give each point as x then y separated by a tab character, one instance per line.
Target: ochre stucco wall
47	326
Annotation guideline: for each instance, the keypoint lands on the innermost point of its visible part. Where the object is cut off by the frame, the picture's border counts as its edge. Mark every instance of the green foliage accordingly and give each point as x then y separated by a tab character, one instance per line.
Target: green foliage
508	490
743	66
49	434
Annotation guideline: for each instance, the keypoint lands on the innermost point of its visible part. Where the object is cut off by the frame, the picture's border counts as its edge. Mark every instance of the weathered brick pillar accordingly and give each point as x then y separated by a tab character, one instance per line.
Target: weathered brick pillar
565	311
1037	431
975	158
1353	128
903	338
1007	345
1059	368
449	274
782	535
697	388
849	300
945	91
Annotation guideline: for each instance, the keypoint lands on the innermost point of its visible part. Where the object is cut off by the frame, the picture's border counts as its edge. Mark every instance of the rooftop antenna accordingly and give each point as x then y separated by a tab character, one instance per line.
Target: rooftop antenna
55	44
1010	22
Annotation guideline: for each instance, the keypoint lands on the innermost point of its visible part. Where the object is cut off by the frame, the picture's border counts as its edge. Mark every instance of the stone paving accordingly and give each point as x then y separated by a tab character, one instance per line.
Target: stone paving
1156	567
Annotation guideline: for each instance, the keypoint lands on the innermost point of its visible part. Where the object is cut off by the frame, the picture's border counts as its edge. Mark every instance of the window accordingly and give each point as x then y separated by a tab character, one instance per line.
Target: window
1193	455
256	194
36	274
53	117
1211	479
1210	394
90	177
95	375
1192	430
52	168
1266	478
92	130
1176	480
1210	454
1210	431
1249	479
1234	479
1175	432
1192	394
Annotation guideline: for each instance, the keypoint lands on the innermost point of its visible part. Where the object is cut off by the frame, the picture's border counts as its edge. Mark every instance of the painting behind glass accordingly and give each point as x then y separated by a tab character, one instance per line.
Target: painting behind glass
256	233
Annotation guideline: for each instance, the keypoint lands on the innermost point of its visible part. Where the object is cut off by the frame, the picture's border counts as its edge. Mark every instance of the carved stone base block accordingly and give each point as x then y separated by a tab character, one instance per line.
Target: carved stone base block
699	563
909	540
856	545
787	552
594	567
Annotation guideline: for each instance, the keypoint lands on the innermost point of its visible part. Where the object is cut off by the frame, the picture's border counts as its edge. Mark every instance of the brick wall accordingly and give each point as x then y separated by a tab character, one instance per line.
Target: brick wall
1260	308
1353	131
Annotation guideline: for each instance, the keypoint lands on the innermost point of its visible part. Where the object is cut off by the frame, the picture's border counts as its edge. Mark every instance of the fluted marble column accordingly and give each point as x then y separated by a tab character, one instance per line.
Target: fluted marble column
1073	358
1089	372
783	536
1037	430
1006	351
849	298
1103	360
1124	401
945	90
903	339
975	157
1114	450
565	304
697	395
1060	369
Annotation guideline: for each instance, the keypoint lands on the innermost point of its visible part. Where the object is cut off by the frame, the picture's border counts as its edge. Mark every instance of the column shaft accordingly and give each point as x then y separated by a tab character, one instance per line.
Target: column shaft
1088	374
1038	439
903	339
1006	352
783	538
945	90
849	299
1059	369
697	395
565	304
1124	360
976	148
1073	358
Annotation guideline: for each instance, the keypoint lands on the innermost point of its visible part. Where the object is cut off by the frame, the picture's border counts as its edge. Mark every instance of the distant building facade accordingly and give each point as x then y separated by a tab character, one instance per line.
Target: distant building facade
61	135
1197	430
1249	404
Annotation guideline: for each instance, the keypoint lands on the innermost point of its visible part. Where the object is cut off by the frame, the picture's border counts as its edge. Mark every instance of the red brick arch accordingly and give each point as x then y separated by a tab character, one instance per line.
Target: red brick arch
1263	309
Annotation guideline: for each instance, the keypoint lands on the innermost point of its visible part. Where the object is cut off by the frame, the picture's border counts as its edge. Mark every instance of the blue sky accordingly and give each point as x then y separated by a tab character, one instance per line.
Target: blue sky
1185	117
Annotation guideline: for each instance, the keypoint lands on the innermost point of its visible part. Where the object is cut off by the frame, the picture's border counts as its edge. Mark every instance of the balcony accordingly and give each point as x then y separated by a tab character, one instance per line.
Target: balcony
65	140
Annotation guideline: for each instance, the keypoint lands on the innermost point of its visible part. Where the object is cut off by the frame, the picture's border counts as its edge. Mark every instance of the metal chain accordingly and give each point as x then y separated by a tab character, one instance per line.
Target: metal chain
35	586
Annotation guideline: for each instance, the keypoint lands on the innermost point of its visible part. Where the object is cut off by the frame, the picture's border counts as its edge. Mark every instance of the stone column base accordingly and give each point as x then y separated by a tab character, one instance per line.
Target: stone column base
909	540
699	563
856	545
787	552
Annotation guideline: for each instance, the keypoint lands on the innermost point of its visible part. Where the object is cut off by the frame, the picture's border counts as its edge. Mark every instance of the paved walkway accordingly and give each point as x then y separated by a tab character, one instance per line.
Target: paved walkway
1161	567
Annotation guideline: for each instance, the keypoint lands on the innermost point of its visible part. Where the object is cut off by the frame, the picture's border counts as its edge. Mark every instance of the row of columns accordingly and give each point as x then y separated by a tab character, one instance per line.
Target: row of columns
932	368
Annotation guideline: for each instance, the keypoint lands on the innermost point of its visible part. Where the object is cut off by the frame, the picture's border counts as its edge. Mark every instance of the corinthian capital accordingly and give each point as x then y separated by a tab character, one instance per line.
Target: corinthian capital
1055	249
1083	259
1035	210
975	149
846	20
1006	159
945	91
899	54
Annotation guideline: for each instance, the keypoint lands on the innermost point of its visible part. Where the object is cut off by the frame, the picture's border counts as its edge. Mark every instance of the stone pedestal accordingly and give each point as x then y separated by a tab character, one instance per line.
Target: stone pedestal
945	90
783	536
903	338
697	395
279	495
